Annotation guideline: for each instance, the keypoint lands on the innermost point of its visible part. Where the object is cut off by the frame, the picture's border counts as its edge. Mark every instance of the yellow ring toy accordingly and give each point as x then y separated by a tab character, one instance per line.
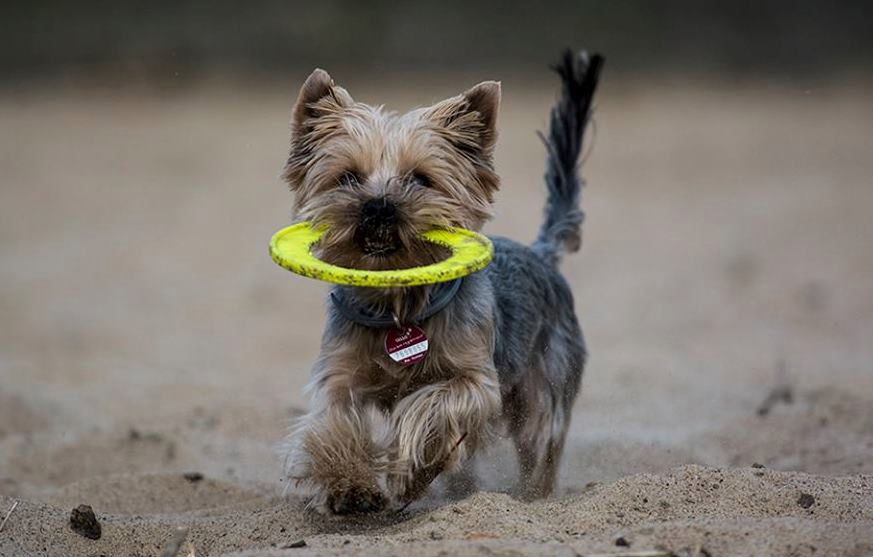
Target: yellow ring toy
291	248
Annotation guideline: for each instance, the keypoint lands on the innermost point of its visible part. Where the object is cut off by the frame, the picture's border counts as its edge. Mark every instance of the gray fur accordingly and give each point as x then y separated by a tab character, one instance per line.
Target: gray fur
539	356
569	119
540	351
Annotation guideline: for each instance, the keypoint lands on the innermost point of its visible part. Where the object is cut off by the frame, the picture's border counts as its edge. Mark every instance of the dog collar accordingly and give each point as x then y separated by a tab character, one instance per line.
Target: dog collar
440	296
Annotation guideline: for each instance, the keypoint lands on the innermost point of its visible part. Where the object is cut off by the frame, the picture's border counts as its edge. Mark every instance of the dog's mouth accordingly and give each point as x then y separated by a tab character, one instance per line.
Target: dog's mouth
378	240
377	233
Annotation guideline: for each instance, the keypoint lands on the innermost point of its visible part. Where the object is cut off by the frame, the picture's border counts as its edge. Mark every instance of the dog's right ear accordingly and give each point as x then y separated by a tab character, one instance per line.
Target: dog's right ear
319	97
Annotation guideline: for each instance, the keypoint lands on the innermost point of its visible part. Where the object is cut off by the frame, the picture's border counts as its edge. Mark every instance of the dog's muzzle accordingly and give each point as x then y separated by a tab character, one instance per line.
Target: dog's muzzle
377	228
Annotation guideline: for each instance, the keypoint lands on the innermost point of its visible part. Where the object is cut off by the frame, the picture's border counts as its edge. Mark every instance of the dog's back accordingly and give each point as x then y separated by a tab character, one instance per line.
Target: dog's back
535	316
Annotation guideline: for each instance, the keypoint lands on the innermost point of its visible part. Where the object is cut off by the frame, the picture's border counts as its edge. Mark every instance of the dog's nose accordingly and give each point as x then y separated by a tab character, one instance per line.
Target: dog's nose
379	210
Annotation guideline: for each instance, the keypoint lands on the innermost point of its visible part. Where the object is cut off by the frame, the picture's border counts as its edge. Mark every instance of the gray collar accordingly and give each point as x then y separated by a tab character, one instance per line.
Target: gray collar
440	296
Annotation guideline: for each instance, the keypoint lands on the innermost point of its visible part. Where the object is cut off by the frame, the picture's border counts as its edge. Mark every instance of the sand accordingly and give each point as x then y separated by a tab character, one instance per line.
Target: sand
724	287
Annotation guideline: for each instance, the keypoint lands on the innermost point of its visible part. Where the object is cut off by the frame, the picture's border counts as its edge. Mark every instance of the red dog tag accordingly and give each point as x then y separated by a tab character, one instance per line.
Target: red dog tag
406	345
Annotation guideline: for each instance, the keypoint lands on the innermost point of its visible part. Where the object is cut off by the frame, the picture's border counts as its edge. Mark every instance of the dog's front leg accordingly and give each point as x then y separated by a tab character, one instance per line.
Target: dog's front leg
338	450
439	426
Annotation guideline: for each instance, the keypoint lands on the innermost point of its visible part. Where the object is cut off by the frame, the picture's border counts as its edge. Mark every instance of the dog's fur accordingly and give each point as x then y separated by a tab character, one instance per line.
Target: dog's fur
507	347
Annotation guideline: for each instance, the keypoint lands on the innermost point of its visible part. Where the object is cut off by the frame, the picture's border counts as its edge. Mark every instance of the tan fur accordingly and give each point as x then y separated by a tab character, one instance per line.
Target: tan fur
451	143
375	425
439	426
440	412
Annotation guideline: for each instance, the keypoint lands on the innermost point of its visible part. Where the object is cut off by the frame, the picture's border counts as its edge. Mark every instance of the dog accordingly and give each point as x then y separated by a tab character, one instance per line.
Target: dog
504	346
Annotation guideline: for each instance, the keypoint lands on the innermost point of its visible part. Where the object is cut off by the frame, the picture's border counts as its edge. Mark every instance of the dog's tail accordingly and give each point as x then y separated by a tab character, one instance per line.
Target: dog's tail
561	231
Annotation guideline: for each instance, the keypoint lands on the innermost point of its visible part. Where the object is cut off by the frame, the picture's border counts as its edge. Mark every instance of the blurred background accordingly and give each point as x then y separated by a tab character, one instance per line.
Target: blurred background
183	41
727	249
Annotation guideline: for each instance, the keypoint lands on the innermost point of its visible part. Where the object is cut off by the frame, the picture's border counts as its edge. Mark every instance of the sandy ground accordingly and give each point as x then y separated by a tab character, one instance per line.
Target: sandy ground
145	333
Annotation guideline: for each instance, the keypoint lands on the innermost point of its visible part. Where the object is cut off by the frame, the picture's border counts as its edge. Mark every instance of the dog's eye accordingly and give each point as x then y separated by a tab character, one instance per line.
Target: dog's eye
421	180
349	178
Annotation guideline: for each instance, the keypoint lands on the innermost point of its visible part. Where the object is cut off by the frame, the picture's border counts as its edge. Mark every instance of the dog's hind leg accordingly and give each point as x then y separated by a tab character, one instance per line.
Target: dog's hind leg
538	413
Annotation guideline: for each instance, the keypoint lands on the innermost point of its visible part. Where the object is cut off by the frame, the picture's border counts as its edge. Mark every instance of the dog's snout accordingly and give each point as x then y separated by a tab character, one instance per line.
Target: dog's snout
376	233
379	210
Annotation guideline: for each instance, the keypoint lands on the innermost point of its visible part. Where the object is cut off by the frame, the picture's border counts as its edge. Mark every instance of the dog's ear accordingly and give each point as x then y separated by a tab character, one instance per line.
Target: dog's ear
485	100
469	123
319	97
469	120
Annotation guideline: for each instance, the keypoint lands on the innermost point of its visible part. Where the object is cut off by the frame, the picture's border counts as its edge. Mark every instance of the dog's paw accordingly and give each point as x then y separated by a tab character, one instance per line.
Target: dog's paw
354	500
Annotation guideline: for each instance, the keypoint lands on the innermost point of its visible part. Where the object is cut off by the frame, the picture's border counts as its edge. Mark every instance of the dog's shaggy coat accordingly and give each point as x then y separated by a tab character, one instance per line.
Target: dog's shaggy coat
507	348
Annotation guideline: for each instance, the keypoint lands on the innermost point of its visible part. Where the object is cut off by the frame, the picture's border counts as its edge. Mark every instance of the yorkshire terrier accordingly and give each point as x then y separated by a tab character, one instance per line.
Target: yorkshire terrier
504	345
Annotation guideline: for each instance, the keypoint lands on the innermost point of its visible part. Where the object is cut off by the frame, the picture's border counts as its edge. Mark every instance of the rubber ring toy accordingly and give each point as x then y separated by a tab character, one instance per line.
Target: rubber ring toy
291	248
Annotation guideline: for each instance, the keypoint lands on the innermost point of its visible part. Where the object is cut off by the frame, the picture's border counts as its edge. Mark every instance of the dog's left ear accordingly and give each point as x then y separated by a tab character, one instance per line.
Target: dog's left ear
469	120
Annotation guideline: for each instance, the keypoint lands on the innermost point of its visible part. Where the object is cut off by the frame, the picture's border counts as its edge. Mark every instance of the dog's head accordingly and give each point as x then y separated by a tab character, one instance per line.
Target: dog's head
377	180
